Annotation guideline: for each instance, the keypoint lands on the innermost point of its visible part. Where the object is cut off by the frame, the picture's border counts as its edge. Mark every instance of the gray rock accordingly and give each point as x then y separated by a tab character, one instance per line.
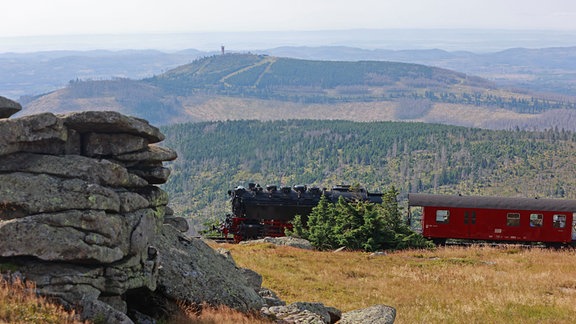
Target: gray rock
143	224
180	223
73	236
77	281
153	175
73	144
26	194
301	312
101	312
102	172
377	314
152	153
155	196
253	278
96	144
226	254
193	272
130	201
42	133
270	298
284	240
116	302
111	122
8	107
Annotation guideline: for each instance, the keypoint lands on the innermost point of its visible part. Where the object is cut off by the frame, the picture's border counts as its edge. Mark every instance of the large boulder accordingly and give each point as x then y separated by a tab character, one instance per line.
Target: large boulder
377	314
103	145
43	133
301	312
25	194
112	122
75	236
151	153
98	171
194	273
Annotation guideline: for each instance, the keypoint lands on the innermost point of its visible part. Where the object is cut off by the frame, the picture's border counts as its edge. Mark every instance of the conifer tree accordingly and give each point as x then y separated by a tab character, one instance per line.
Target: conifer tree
358	225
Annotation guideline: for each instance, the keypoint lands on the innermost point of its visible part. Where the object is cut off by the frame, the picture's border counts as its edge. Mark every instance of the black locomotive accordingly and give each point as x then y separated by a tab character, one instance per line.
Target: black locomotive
259	212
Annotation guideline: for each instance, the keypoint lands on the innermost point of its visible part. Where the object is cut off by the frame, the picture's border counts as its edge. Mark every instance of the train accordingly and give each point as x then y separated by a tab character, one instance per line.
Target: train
551	222
259	212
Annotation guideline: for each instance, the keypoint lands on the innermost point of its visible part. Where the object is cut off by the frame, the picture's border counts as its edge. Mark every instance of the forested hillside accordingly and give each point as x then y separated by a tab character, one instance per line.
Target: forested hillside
415	157
285	79
248	86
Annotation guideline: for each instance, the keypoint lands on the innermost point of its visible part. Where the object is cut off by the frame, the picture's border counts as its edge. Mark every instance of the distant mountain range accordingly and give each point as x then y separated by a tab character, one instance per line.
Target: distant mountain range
545	70
249	86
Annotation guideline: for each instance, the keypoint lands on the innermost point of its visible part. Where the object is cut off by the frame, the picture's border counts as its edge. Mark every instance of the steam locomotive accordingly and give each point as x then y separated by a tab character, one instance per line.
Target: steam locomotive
260	212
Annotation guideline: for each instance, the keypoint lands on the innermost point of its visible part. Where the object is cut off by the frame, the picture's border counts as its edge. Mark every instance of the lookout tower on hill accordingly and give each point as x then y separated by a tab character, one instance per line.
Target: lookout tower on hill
222	49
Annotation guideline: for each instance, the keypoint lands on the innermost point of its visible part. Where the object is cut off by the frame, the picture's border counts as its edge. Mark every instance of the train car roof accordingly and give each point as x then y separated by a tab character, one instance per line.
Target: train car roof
487	202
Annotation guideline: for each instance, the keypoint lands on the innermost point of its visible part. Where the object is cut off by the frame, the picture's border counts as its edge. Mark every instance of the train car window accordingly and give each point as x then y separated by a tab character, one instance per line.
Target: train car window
559	221
536	220
442	216
513	219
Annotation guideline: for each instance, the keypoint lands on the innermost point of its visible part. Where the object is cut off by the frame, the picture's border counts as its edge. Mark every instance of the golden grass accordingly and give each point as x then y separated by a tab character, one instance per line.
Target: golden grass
210	315
19	304
446	285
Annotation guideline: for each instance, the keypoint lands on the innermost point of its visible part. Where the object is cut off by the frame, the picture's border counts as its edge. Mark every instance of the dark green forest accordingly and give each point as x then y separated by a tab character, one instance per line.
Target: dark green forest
413	157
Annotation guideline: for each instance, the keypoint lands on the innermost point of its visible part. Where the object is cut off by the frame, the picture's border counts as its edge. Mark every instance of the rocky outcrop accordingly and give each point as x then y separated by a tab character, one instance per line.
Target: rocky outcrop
82	217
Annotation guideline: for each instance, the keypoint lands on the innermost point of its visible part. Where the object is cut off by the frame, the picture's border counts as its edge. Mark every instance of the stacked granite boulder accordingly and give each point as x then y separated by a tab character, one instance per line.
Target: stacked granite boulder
82	217
79	207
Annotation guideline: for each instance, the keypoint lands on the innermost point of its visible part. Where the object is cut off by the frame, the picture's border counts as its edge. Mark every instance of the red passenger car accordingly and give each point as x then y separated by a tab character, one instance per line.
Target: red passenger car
523	220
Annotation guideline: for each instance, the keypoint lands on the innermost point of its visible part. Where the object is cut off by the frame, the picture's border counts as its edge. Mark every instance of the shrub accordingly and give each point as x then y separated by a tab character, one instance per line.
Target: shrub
358	225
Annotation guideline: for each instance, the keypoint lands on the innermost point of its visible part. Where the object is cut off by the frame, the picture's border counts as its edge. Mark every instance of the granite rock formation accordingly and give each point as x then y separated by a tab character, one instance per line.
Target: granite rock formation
82	217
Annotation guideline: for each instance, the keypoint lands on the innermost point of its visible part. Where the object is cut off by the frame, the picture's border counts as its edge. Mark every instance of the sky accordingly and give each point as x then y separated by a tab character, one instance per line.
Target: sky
77	17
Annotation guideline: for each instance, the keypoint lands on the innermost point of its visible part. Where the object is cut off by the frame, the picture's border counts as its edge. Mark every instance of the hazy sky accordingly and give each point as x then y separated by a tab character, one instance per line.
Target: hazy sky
60	17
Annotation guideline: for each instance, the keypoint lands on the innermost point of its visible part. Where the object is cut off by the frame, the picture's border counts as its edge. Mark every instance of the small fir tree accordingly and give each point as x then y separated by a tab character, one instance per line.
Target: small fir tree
358	225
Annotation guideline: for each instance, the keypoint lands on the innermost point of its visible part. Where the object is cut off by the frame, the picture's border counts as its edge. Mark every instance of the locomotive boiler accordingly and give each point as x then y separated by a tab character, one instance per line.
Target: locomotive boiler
259	212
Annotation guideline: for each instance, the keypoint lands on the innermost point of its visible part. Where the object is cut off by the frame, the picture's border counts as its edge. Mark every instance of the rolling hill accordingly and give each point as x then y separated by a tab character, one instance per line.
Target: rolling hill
550	70
248	86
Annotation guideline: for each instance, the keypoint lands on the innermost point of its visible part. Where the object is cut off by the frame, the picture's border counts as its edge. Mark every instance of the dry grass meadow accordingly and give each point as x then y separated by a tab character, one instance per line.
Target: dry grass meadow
447	285
19	304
